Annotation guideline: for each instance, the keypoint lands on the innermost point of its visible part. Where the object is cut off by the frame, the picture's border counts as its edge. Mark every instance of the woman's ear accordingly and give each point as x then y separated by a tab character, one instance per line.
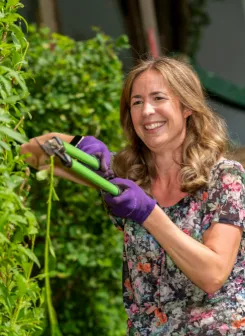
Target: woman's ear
187	113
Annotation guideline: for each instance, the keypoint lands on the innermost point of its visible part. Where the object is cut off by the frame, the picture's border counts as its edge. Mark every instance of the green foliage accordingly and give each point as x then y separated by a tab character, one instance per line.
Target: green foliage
20	295
75	89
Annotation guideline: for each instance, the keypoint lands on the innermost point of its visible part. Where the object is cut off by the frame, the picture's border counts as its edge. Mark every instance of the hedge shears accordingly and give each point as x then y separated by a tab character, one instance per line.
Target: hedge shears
74	158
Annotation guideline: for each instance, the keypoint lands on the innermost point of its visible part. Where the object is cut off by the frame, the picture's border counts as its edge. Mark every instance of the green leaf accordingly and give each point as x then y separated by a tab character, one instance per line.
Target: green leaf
32	229
14	218
3	239
29	254
3	94
5	146
54	195
18	236
22	283
13	134
7	84
15	75
5	295
11	3
3	221
42	175
51	248
16	42
26	267
4	118
20	37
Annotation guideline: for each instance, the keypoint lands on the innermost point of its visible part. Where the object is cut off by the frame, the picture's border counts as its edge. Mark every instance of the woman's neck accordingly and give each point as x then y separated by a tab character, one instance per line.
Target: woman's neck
166	187
167	166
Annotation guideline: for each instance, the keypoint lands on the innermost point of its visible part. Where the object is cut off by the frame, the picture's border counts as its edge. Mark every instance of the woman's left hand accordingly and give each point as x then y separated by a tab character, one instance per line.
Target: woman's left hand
92	146
132	203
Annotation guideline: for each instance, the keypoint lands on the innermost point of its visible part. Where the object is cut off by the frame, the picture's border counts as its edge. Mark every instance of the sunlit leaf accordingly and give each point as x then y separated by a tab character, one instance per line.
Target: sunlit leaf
11	3
42	175
5	146
4	118
13	134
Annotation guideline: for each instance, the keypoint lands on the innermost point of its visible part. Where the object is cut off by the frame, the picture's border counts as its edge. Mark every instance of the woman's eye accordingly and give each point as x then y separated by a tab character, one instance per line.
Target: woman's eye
159	98
137	102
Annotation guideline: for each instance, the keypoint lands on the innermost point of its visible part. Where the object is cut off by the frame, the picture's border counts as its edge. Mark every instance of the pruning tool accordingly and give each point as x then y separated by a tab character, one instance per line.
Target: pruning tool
74	158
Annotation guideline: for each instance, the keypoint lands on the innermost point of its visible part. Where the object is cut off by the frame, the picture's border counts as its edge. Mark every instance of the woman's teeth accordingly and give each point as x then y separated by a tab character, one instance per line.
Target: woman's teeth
153	126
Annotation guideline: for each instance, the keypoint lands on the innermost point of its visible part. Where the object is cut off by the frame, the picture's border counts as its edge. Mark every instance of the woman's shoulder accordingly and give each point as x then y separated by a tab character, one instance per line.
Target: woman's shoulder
226	168
227	165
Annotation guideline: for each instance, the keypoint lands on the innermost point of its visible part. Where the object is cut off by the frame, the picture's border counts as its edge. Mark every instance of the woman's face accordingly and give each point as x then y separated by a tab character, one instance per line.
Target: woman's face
156	113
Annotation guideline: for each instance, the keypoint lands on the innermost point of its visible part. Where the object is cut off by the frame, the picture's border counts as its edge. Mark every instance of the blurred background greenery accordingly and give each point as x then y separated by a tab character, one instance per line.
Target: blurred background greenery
75	89
74	86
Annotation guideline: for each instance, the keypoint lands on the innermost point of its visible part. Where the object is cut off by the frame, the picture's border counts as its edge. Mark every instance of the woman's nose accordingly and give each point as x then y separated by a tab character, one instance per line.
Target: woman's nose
148	109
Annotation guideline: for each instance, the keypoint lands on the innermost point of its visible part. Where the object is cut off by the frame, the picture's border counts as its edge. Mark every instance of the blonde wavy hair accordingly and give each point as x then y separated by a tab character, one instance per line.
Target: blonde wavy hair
206	134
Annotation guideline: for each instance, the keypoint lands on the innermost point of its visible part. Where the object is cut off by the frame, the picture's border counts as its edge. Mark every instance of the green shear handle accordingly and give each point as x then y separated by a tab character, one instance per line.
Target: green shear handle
67	153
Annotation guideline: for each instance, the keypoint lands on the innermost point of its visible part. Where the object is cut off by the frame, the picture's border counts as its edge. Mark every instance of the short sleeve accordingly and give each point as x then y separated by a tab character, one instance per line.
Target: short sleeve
225	199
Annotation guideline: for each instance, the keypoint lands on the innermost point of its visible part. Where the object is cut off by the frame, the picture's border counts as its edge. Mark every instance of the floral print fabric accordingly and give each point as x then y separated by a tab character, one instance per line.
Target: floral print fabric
159	299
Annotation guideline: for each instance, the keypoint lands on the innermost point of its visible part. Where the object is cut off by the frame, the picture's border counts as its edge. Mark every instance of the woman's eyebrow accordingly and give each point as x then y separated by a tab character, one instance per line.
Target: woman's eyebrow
136	96
156	92
152	94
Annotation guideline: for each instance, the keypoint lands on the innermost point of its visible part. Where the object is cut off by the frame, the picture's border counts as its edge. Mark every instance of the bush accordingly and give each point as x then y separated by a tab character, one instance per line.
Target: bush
20	295
76	90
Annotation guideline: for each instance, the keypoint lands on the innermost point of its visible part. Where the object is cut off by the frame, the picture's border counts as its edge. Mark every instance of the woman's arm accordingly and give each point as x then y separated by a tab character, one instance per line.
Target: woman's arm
40	160
208	265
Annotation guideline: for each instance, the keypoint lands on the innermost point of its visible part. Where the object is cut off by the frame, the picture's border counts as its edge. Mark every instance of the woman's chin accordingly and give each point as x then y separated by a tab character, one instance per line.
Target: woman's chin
155	146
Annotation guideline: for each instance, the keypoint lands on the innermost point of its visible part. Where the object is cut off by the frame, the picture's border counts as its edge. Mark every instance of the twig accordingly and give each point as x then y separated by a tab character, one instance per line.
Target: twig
19	123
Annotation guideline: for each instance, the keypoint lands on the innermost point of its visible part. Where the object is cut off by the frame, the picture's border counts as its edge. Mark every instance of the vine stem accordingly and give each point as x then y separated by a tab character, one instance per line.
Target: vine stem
51	312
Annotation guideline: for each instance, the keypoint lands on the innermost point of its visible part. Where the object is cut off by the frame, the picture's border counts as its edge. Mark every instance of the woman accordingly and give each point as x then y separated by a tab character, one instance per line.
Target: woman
181	207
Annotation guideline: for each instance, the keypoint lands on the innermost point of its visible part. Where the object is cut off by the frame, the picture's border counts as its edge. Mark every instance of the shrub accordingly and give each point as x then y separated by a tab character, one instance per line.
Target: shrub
76	90
20	295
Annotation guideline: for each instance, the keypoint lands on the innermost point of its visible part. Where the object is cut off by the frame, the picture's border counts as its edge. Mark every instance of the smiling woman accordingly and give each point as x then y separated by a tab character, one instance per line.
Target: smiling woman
181	208
182	96
157	116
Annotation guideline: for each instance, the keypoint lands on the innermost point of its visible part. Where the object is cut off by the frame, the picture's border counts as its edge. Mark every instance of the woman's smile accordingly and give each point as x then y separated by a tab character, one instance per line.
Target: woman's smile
154	126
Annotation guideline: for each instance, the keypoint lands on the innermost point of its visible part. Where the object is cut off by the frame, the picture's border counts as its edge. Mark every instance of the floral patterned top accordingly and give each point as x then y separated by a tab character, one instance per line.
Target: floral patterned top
159	299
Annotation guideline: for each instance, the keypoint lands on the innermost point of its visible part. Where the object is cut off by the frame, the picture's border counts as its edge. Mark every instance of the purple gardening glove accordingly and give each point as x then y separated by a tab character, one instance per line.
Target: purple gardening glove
132	203
97	148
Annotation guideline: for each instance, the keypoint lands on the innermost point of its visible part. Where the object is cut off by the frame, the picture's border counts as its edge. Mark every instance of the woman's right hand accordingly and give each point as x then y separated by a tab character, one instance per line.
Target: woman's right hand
97	148
38	159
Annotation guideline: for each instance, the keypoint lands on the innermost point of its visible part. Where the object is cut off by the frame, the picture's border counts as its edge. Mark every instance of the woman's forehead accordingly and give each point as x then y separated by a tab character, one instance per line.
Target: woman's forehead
149	80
